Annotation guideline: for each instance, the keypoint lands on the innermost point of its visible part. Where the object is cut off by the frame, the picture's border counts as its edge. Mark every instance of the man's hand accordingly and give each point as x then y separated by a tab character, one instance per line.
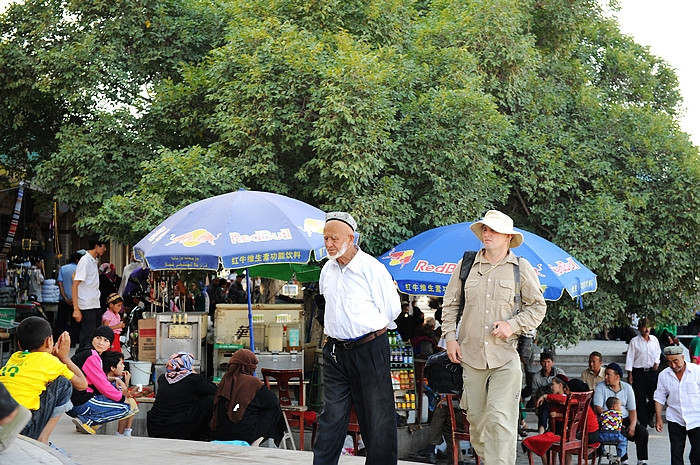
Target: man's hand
629	377
127	377
502	329
659	424
61	348
630	429
454	352
77	315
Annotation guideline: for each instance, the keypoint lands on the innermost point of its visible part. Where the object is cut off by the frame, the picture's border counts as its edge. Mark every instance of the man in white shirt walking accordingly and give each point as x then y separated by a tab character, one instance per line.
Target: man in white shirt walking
679	388
361	303
642	363
86	292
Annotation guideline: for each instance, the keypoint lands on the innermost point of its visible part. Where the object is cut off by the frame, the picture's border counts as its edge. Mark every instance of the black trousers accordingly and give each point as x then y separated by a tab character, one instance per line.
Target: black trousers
92	318
65	322
676	435
360	376
640	438
644	385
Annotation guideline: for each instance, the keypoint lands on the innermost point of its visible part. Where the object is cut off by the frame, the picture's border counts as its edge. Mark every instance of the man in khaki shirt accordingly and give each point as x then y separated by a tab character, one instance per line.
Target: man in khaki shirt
595	373
486	345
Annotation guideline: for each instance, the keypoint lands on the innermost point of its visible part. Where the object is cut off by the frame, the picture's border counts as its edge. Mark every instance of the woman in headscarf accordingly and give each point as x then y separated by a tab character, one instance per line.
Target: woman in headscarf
183	405
244	409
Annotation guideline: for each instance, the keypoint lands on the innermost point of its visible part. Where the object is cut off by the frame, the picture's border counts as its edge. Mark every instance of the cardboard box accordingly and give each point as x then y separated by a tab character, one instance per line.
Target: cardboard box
147	340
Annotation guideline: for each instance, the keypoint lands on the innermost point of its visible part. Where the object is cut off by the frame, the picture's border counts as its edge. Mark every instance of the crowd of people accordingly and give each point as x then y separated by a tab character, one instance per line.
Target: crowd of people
92	388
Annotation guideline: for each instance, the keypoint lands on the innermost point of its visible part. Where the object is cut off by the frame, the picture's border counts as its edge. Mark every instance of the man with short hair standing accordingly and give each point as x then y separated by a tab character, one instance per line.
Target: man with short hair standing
642	363
361	303
613	386
486	345
595	373
679	388
86	292
65	302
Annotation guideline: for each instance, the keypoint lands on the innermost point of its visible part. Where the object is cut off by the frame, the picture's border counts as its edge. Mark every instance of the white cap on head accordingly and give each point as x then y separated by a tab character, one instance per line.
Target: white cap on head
345	217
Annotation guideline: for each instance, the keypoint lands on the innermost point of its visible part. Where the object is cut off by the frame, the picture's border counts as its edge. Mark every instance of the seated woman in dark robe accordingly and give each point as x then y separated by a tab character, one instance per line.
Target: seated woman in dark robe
184	400
244	409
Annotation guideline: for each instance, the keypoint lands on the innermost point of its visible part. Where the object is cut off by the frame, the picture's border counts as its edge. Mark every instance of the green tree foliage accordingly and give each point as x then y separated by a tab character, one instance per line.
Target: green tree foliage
411	114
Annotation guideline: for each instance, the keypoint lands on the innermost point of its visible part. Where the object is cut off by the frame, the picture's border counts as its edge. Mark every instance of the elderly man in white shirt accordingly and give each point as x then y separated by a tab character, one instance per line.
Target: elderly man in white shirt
361	304
642	363
679	388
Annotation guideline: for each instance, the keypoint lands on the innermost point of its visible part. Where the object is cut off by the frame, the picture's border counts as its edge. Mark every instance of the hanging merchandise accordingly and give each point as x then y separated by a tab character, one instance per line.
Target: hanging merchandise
15	220
53	228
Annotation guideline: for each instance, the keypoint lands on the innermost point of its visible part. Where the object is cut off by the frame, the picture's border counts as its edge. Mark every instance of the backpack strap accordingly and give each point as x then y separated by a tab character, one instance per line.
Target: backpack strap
518	290
467	263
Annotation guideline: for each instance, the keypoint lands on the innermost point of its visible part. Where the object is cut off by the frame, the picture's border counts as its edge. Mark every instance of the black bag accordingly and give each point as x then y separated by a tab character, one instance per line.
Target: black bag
443	376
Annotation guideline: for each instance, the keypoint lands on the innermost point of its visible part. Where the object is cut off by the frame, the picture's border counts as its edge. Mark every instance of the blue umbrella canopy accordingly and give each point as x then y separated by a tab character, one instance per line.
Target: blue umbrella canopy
235	230
424	263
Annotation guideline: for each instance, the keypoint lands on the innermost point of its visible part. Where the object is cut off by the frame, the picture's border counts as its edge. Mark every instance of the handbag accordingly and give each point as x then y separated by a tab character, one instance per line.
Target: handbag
443	376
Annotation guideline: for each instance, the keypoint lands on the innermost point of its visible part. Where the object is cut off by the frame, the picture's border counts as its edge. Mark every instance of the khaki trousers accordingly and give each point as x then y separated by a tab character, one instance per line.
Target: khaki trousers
491	398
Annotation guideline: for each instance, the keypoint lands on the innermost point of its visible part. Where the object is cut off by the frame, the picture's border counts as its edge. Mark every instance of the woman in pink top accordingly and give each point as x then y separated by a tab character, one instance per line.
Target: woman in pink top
101	402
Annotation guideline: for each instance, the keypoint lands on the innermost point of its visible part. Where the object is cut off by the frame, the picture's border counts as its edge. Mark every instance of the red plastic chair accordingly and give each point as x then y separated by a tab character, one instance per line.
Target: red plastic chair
573	437
457	435
296	414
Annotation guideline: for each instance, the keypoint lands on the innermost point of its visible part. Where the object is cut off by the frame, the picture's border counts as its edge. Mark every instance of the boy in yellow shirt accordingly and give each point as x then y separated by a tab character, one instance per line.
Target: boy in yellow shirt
41	376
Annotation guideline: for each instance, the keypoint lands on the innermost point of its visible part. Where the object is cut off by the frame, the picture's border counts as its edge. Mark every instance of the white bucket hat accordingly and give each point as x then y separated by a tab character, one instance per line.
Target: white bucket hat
499	222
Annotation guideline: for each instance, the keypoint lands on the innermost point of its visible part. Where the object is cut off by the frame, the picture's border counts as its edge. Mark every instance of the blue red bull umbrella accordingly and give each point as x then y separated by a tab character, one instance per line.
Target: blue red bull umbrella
238	230
235	230
423	264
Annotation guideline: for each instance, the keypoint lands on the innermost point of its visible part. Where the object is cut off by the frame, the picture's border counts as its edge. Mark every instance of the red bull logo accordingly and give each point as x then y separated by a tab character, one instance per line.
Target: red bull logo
194	238
312	225
423	266
538	270
262	235
564	267
402	258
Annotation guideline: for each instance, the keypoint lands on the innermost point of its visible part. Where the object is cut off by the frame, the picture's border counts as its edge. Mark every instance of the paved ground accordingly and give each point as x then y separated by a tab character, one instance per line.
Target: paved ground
106	449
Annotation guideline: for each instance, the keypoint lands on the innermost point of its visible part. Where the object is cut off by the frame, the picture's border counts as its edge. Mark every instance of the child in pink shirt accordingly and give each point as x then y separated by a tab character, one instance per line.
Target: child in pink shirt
113	318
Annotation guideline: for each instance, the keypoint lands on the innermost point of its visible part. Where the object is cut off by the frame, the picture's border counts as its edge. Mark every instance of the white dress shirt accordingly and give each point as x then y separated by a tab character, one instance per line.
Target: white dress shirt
89	288
642	353
361	297
682	397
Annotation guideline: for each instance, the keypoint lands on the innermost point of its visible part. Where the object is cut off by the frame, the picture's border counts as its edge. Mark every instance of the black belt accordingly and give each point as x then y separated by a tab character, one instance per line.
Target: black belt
358	342
644	369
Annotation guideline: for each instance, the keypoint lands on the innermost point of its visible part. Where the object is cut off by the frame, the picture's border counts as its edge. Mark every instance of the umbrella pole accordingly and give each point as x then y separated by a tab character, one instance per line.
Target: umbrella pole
250	310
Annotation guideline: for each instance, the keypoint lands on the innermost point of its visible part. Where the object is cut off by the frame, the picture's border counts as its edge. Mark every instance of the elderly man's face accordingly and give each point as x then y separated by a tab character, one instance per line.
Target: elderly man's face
611	377
594	363
676	362
337	237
